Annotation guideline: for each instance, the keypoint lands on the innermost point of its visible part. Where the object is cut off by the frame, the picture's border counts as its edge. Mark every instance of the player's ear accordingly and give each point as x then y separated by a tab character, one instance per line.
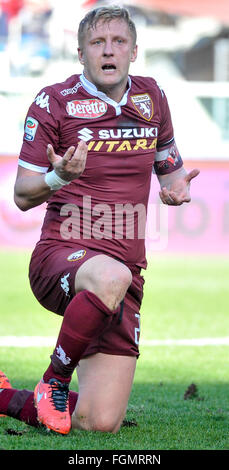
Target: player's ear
80	55
134	53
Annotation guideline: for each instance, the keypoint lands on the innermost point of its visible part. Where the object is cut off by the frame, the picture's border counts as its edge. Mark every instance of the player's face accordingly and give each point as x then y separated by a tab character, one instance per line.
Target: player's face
106	55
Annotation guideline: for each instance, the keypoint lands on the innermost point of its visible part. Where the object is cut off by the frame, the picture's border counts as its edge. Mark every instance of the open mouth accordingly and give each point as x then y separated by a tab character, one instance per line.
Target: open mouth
108	67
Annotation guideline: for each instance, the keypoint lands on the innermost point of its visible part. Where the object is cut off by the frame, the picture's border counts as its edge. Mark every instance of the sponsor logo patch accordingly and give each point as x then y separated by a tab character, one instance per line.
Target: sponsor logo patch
31	126
77	255
144	105
85	134
71	91
86	109
106	134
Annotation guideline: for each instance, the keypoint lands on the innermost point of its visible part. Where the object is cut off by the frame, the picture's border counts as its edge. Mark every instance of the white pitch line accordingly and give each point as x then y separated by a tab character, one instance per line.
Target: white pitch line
27	341
49	341
187	342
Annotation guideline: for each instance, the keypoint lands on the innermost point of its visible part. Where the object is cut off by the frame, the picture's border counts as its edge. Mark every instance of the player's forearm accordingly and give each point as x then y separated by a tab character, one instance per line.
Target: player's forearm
166	181
31	192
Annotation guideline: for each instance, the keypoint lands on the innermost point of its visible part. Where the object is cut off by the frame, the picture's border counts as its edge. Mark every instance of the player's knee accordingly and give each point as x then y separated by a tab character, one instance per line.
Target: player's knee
106	423
106	278
113	286
117	279
102	420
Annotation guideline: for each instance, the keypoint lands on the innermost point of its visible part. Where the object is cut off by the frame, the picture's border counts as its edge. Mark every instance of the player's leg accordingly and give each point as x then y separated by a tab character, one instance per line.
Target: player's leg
119	338
100	285
19	404
85	317
97	411
106	277
105	383
107	369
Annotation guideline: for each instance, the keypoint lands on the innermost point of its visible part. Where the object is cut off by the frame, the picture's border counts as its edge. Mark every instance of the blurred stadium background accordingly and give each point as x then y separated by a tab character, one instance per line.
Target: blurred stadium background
185	46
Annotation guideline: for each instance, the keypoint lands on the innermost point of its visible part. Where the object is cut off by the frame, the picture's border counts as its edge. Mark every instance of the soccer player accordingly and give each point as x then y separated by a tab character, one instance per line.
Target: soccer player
89	148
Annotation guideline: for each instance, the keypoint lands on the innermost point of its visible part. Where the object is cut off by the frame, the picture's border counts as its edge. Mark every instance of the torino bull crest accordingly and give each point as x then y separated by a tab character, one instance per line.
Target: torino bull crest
144	105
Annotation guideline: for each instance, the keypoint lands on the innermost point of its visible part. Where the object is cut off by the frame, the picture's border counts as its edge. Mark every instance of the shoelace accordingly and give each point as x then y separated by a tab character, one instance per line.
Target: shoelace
59	394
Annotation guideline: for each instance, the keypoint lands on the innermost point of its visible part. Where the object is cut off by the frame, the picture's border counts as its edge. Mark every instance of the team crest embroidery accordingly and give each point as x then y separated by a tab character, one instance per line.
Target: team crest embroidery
77	255
144	105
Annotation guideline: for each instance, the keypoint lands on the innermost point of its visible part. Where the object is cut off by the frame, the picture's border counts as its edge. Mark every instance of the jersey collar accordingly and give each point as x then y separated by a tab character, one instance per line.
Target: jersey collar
92	90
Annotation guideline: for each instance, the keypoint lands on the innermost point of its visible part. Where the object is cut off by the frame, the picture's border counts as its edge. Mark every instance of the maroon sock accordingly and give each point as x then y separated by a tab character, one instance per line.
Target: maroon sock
85	318
19	404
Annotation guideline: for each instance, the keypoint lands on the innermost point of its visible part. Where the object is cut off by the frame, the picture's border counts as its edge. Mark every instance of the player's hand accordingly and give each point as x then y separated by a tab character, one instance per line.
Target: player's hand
72	164
179	191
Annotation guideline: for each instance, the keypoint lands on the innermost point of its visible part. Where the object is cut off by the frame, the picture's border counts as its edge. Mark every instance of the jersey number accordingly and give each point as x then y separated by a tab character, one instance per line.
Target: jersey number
137	329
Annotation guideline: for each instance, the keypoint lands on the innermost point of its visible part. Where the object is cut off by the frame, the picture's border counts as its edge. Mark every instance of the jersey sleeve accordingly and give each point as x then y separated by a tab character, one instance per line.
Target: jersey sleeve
42	125
167	157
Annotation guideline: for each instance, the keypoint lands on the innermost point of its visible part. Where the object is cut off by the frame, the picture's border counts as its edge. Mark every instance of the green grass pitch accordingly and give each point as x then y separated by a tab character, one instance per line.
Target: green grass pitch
185	298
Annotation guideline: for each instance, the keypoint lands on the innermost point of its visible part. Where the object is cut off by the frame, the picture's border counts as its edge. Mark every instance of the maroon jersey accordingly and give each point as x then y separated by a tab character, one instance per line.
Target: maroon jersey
105	208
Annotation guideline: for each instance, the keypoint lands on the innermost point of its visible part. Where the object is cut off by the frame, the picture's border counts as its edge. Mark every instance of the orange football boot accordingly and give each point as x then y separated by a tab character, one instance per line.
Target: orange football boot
52	403
4	383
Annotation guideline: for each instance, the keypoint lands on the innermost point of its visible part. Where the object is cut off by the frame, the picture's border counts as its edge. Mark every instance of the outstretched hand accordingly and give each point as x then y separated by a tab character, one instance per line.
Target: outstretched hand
179	190
72	164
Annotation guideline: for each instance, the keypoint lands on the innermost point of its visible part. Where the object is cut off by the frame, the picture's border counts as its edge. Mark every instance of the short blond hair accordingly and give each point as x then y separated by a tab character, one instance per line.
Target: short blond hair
105	14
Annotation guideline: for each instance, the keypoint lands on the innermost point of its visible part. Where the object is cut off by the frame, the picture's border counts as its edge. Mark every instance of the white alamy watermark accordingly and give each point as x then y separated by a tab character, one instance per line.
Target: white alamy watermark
116	221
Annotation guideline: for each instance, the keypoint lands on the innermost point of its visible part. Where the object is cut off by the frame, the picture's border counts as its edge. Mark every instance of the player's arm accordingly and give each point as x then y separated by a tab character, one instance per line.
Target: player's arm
33	188
173	178
168	165
30	189
35	183
175	186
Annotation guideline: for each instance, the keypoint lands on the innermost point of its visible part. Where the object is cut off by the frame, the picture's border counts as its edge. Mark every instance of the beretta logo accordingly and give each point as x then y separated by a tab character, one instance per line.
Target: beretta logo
86	109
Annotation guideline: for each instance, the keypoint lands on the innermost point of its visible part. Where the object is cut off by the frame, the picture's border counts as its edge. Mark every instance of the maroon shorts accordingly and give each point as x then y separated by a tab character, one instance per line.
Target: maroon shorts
52	277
